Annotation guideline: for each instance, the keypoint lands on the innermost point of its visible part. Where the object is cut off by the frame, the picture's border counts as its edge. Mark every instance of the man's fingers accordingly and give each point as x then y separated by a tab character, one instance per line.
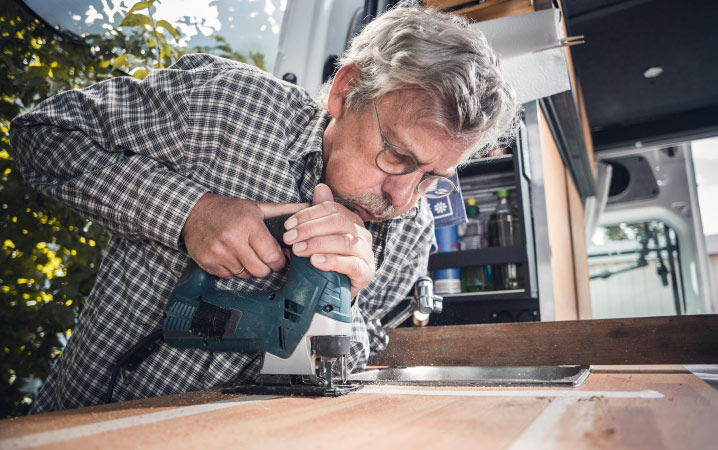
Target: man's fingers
346	244
322	193
279	209
238	271
324	226
267	250
322	205
358	271
320	210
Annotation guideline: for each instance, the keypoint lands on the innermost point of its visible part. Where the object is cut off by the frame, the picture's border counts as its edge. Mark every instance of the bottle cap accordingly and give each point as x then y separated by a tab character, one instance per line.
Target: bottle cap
472	209
502	193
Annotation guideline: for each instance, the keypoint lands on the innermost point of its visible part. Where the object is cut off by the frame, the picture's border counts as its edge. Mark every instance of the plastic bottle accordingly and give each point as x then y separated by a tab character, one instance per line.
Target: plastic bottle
447	281
473	230
474	278
505	230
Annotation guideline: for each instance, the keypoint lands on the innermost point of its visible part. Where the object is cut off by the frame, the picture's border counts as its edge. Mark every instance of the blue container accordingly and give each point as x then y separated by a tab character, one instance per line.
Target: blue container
447	281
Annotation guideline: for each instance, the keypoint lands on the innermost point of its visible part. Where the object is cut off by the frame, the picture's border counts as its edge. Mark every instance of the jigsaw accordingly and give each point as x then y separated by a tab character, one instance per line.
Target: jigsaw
302	331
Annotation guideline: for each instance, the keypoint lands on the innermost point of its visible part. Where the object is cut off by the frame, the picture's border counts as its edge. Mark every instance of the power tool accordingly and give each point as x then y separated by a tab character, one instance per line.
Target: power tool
300	330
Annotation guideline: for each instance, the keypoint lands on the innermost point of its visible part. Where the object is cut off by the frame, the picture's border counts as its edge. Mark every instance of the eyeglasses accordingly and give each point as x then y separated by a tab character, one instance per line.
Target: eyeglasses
397	161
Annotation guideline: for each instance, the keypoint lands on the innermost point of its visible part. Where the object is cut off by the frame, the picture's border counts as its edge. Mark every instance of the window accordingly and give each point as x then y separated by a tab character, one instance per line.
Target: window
635	271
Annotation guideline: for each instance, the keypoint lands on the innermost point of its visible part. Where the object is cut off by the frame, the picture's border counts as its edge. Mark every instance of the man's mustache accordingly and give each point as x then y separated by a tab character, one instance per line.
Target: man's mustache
377	205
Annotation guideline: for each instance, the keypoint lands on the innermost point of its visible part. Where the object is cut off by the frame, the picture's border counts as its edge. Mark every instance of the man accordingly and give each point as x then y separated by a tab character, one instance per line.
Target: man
187	163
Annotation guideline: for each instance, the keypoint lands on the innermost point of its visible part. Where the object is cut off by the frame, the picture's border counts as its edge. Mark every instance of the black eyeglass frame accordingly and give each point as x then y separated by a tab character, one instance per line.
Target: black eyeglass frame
401	151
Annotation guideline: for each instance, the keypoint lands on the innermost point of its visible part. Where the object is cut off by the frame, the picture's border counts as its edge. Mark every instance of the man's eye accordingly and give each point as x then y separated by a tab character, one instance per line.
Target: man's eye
394	157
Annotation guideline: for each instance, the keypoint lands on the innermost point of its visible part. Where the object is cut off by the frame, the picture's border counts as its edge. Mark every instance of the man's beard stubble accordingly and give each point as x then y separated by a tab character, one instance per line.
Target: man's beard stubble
376	205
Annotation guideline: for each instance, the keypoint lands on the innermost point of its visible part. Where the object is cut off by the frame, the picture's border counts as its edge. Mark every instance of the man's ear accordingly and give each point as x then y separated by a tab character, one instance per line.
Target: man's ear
344	81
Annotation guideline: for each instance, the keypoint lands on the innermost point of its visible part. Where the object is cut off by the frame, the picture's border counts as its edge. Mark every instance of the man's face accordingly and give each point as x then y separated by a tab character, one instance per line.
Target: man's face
352	142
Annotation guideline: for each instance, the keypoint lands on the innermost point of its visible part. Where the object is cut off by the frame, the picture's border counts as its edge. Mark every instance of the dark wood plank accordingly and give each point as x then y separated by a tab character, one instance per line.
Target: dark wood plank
480	11
444	4
646	340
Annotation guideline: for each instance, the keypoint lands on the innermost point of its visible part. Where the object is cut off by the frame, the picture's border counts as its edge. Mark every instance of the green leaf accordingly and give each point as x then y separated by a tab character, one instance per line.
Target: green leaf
36	72
140	74
140	5
167	26
258	60
120	61
135	20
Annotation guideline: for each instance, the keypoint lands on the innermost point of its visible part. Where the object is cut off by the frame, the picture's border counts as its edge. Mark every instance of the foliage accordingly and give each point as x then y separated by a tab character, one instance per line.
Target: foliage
160	44
49	255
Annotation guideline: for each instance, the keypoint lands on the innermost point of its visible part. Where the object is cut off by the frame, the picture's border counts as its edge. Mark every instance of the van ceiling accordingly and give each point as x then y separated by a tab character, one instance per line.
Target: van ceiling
626	38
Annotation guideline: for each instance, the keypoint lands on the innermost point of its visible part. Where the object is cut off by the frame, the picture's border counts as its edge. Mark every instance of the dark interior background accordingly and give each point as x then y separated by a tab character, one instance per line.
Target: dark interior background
623	39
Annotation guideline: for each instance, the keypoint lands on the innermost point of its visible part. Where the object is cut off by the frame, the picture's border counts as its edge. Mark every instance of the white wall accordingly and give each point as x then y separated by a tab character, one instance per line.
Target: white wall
712	248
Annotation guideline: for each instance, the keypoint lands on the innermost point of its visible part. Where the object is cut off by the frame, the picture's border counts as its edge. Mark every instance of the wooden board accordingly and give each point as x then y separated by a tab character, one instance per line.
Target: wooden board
646	340
623	407
488	10
558	220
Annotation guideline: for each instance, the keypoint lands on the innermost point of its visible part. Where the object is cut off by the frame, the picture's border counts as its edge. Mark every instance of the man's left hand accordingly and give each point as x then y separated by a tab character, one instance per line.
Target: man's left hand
333	237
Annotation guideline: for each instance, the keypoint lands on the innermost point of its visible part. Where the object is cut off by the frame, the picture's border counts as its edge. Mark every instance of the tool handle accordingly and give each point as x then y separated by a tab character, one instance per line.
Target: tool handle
275	225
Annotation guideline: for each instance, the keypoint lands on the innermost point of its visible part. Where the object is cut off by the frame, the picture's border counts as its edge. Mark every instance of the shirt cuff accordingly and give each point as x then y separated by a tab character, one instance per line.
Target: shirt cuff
168	200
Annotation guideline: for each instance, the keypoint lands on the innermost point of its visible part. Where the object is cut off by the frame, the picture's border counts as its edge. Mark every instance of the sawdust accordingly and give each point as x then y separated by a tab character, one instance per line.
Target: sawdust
600	435
593	398
444	347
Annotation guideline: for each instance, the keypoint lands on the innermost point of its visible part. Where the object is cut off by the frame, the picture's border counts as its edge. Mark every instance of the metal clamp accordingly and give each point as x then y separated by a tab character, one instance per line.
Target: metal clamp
424	302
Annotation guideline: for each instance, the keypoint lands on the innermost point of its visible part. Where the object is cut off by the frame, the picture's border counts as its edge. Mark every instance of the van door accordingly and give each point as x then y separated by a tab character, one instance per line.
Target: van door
647	257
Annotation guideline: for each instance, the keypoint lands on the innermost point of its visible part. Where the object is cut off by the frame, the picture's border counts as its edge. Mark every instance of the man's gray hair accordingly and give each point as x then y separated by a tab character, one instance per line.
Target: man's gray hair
412	48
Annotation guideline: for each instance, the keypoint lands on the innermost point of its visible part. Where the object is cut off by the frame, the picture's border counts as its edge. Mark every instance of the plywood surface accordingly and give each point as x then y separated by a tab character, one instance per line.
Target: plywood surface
618	407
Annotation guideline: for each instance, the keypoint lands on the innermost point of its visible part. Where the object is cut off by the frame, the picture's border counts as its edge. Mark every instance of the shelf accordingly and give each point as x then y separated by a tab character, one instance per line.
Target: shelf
511	294
515	254
490	164
502	309
491	159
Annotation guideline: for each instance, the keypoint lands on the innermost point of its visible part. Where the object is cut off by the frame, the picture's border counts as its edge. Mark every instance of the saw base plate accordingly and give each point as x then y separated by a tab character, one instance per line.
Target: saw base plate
336	390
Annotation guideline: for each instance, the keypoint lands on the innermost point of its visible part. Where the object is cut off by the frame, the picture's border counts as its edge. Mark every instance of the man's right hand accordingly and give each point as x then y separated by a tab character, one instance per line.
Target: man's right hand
226	236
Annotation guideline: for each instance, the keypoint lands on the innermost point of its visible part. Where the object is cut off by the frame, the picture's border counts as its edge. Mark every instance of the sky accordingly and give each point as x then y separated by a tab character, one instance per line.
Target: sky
247	24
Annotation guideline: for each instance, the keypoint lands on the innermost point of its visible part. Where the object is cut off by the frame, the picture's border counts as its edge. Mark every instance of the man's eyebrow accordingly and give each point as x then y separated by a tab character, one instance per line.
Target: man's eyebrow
436	174
449	175
420	163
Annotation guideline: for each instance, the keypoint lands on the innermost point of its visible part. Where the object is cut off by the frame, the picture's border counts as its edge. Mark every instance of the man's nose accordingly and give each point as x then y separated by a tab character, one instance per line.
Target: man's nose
401	189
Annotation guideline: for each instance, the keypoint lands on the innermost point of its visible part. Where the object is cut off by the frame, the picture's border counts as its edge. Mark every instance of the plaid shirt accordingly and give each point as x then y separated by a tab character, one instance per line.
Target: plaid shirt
136	156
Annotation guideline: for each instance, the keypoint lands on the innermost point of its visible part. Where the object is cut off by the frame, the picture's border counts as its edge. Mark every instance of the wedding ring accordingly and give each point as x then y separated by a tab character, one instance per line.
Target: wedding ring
239	273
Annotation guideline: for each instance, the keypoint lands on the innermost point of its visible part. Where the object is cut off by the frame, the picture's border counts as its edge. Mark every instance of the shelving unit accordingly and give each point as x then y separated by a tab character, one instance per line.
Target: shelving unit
480	180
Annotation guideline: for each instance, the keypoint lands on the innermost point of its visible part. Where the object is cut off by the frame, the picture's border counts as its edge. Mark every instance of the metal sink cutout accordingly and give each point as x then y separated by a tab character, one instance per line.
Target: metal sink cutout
509	376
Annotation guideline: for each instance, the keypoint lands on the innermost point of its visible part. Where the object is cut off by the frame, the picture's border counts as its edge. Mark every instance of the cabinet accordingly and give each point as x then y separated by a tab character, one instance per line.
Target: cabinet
521	173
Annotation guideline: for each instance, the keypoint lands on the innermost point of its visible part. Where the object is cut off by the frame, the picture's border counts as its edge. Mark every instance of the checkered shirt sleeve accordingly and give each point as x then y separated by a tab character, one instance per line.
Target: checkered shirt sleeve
114	153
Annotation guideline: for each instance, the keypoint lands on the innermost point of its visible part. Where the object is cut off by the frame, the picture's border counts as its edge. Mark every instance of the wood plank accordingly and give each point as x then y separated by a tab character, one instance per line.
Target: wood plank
444	4
579	251
497	9
559	226
488	10
621	407
578	227
648	340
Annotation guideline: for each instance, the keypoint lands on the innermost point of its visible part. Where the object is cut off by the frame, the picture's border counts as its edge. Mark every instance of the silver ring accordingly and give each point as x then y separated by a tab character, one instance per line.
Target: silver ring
239	273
